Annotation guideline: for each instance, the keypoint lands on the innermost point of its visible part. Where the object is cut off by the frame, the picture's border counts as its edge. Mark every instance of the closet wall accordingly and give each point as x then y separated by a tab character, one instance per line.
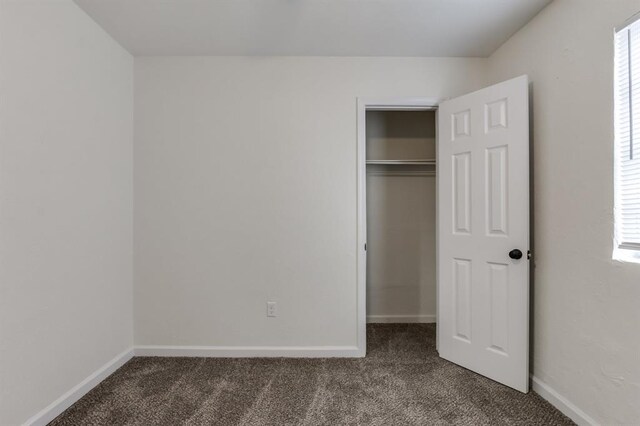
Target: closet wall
401	218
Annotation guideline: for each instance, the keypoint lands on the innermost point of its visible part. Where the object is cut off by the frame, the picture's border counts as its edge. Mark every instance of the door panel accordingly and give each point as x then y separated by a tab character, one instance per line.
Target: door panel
483	209
462	193
462	294
496	194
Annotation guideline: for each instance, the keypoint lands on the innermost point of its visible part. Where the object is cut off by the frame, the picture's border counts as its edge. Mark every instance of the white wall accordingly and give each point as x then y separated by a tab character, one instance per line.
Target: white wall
245	189
586	306
65	202
401	248
401	219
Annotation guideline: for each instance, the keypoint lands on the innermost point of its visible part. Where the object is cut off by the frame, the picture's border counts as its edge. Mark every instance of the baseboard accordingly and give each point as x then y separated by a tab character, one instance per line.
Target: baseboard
387	319
252	351
561	403
74	394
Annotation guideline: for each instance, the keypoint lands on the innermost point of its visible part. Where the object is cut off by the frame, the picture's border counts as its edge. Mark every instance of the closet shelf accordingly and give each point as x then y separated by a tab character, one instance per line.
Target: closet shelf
403	162
418	167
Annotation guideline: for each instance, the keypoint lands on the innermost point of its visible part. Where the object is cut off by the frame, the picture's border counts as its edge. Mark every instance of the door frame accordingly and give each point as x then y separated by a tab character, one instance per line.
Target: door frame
378	104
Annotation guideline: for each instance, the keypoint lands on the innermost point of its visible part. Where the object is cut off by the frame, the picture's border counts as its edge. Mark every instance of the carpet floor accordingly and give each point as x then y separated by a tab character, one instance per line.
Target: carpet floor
401	381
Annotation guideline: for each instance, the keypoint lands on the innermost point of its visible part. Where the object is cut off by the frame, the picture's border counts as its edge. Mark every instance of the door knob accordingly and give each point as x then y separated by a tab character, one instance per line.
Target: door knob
515	254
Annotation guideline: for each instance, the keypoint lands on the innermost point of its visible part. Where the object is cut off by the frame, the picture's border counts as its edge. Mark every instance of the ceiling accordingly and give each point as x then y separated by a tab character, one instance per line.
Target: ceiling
312	27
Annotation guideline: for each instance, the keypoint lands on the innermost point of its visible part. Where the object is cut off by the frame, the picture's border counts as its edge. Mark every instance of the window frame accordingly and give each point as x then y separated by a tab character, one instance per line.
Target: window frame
624	251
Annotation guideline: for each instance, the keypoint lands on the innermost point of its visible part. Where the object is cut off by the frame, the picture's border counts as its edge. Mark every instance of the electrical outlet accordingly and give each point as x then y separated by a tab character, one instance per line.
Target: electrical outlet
271	309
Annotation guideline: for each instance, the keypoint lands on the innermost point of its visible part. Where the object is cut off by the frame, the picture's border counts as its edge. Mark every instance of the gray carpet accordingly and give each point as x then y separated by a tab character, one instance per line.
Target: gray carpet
400	382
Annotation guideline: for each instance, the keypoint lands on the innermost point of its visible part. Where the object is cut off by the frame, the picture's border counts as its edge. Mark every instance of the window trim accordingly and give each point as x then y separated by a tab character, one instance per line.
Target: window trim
632	19
623	251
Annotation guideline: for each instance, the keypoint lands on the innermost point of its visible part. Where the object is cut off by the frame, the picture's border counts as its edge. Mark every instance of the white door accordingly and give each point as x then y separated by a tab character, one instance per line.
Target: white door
483	232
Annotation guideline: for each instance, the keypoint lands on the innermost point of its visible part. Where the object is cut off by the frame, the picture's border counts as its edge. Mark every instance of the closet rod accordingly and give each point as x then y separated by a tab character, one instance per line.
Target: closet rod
428	162
401	173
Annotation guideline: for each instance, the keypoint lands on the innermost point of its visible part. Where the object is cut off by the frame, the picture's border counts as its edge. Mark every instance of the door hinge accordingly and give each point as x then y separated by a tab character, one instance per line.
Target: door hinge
528	254
365	246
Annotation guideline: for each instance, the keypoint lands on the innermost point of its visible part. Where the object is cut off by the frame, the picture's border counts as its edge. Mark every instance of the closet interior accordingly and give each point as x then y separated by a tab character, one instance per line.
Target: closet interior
401	215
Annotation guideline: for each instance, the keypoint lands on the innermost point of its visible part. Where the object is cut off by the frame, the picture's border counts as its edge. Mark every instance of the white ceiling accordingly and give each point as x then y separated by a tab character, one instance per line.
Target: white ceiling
312	27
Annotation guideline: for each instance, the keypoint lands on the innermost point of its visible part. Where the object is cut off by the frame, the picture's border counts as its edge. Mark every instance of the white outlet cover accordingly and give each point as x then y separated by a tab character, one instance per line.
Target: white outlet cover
271	309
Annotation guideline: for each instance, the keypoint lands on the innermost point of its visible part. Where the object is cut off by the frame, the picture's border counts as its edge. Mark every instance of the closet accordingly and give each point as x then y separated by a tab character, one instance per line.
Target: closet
479	238
401	215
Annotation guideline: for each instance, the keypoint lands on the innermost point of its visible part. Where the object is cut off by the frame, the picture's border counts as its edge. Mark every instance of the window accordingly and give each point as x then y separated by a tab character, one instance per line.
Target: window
627	141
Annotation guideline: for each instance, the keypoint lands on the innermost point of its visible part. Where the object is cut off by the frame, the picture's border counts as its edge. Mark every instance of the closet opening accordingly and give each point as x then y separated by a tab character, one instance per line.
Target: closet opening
398	214
476	231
